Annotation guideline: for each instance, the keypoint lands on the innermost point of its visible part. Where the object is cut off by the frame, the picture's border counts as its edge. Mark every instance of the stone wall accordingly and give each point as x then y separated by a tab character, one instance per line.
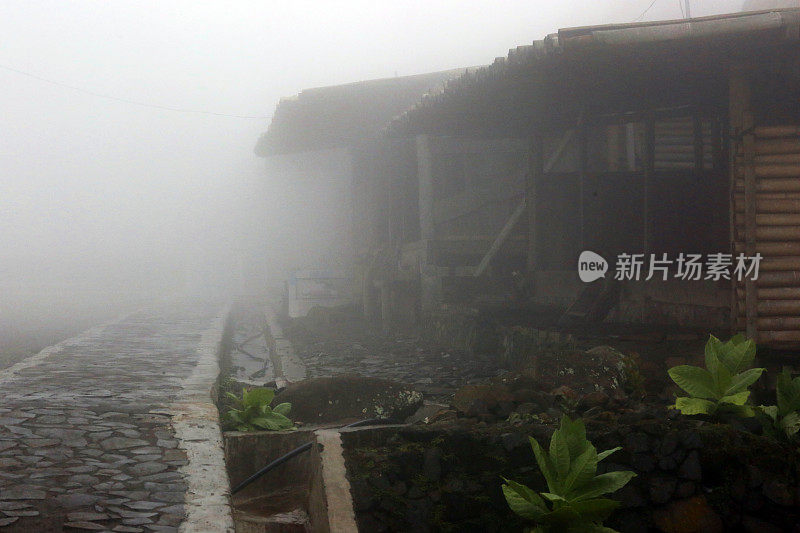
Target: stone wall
691	477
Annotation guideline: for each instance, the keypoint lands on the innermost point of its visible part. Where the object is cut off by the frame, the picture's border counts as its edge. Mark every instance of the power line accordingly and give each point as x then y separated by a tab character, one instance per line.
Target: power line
128	100
645	11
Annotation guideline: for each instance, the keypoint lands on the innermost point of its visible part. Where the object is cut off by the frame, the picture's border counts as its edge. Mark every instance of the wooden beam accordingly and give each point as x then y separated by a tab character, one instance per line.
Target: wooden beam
500	239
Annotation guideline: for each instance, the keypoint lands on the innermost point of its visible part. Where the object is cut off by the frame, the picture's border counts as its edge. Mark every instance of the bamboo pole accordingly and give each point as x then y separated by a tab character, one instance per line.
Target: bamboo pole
782	185
779	336
777	146
786	278
775	308
774	293
772	249
773	219
777	131
779	264
777	233
781	207
775	323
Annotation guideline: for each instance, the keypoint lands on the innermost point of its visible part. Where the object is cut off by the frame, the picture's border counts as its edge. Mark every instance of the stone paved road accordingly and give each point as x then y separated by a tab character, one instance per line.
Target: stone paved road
86	435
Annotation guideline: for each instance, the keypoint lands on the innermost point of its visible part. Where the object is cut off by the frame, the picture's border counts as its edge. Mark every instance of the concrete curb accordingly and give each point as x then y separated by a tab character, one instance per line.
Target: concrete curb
330	501
196	424
288	366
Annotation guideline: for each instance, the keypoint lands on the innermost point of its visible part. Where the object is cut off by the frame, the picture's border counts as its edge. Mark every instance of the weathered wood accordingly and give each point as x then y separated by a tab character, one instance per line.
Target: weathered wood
777	131
777	146
772	219
775	308
776	170
786	278
774	293
777	233
785	185
500	240
771	249
779	336
748	150
779	264
532	177
775	323
784	205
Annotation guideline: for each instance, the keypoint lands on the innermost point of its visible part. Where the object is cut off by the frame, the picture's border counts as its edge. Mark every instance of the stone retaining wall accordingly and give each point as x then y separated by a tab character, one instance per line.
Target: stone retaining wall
690	477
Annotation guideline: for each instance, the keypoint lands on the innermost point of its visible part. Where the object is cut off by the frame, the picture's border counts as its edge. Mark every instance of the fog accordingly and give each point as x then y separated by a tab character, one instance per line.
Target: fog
107	204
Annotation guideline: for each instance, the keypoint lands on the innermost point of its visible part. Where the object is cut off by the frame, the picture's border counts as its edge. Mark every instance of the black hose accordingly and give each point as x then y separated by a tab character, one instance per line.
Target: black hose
297	451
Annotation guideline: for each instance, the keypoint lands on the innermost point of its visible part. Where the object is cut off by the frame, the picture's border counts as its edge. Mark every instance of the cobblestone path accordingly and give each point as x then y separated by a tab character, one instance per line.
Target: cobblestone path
87	441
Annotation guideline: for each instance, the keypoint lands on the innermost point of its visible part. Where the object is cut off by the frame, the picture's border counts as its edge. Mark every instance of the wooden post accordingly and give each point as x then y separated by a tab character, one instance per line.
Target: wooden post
649	168
532	176
742	126
430	278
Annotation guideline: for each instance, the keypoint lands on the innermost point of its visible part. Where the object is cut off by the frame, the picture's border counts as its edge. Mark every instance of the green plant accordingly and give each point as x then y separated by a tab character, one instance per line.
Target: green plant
783	420
252	411
569	467
721	387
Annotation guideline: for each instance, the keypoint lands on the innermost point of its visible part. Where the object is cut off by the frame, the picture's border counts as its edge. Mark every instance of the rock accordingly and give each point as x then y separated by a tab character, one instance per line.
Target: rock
488	395
669	443
661	489
637	443
121	443
685	489
476	407
691	467
347	397
512	440
693	515
84	526
690	439
81	516
431	465
778	492
8	521
643	462
22	493
751	524
526	408
76	499
593	399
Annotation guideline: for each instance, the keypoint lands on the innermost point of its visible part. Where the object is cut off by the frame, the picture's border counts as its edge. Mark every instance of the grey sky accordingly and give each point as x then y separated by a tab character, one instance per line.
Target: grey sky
108	194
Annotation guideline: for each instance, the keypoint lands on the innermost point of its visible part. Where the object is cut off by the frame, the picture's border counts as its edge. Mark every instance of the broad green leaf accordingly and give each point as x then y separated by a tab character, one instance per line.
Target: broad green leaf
259	397
595	510
788	393
722	381
553	497
575	434
523	501
233	397
742	380
545	465
744	411
694	406
559	454
737	339
713	347
791	424
582	470
282	408
603	455
233	414
591	528
740	398
695	380
604	484
769	410
560	518
737	357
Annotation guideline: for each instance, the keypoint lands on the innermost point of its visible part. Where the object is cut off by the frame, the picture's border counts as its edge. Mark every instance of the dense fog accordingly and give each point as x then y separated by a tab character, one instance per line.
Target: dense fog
110	200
